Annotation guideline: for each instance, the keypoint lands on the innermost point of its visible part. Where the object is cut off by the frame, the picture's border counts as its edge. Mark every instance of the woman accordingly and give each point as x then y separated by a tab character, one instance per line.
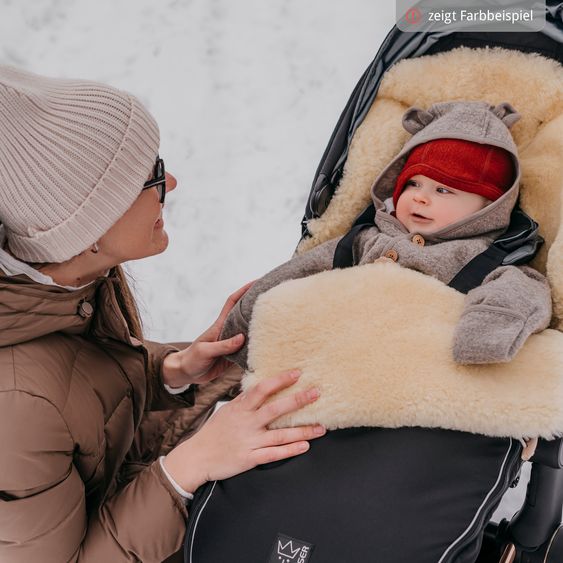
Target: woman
82	192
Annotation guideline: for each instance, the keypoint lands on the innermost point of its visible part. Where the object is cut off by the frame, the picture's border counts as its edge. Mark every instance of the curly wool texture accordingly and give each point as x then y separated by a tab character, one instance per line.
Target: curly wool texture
494	75
376	340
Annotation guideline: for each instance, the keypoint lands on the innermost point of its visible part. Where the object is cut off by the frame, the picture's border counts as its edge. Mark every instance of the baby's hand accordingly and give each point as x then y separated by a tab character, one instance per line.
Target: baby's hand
487	337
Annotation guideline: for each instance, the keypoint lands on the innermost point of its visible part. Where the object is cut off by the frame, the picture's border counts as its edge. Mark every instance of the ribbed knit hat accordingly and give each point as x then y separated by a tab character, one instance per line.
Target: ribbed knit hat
464	165
74	156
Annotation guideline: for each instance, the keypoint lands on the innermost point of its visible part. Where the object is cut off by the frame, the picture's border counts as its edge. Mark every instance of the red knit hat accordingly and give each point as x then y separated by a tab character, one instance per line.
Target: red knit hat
464	165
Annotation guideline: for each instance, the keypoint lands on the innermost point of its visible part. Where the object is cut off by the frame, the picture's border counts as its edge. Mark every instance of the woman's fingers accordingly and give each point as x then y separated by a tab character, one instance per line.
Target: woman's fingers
230	303
258	395
234	297
286	442
213	332
284	405
282	436
215	371
211	350
268	455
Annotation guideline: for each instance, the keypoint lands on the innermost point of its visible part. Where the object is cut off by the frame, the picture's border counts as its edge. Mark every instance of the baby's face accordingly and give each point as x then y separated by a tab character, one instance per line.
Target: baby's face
426	206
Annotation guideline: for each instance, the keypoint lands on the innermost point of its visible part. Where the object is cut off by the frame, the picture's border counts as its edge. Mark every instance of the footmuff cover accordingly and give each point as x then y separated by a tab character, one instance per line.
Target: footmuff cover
384	495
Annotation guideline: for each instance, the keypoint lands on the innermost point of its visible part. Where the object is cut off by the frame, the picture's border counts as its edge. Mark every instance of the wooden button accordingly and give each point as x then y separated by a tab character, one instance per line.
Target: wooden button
85	309
392	255
418	239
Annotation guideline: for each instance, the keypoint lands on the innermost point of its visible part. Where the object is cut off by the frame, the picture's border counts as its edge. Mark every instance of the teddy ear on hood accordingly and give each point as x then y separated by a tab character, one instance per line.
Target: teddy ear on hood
506	113
416	119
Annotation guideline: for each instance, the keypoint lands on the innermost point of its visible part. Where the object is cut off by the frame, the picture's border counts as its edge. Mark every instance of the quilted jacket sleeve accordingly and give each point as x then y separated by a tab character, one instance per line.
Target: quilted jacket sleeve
43	510
316	260
499	315
158	398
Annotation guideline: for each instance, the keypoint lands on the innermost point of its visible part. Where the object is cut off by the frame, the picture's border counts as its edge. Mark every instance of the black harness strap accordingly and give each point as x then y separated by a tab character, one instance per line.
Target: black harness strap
518	245
344	253
476	270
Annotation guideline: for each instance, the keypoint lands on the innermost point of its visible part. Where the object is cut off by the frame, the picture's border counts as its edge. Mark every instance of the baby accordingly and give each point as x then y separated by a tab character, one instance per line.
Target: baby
441	202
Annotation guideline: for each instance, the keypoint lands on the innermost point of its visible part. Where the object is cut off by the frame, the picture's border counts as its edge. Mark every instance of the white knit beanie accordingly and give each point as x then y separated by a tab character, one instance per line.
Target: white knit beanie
74	156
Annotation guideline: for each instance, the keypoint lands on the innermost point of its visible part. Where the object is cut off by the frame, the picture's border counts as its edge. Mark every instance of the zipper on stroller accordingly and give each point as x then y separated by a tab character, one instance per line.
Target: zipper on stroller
508	472
195	512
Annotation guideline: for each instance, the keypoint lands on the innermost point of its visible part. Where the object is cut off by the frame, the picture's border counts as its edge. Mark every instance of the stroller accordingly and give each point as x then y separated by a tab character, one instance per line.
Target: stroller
383	496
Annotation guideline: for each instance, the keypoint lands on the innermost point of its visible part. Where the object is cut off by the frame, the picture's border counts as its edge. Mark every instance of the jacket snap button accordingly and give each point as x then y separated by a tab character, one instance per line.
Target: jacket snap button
129	393
418	239
85	309
392	255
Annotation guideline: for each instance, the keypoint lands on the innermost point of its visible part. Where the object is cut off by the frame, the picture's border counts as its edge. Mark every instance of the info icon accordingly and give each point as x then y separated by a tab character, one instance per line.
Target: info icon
413	16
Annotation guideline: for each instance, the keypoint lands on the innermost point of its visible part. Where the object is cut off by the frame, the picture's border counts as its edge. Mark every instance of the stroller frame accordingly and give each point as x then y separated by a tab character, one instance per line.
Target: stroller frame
535	532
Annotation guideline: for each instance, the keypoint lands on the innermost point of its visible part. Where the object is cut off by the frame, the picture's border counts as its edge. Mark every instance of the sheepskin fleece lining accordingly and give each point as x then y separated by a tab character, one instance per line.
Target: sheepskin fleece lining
377	339
531	83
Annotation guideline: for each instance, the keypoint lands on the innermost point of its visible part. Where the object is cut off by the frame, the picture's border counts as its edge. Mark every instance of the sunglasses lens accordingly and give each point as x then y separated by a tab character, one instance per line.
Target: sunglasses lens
158	180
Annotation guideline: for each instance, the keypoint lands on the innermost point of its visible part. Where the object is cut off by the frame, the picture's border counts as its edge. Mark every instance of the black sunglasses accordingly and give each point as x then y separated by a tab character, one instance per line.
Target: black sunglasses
158	180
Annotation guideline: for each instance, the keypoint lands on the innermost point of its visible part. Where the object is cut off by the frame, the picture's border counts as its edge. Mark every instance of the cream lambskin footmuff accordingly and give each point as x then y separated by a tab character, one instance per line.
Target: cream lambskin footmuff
376	340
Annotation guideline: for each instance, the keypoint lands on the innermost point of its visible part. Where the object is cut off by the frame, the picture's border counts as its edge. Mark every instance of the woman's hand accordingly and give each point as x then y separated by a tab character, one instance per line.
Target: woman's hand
203	360
236	438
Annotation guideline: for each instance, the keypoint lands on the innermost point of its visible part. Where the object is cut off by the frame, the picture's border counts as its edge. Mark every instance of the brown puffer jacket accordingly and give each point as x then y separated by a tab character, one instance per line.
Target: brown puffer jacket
80	431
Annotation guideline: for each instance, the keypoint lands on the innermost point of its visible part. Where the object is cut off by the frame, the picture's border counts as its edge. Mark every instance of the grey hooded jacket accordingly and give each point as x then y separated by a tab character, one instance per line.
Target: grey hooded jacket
499	315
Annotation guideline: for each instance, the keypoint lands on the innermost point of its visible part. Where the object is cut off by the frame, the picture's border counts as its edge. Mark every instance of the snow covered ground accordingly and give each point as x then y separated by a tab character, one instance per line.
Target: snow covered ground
246	93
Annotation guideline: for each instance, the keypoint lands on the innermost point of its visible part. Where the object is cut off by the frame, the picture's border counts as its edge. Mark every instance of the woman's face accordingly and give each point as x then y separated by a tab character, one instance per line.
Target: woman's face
140	232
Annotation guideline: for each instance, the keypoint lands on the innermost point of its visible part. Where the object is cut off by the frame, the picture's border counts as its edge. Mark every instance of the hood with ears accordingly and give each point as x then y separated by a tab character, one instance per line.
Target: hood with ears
478	122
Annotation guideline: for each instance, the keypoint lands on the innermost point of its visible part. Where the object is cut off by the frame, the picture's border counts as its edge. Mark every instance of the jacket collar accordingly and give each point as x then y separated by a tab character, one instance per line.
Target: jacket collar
12	266
29	310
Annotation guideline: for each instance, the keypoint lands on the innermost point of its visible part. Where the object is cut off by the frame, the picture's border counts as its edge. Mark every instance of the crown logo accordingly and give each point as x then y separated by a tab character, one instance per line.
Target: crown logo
286	549
286	552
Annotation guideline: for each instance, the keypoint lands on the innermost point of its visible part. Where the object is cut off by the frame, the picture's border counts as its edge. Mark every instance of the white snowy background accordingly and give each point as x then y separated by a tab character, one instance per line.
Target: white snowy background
246	93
